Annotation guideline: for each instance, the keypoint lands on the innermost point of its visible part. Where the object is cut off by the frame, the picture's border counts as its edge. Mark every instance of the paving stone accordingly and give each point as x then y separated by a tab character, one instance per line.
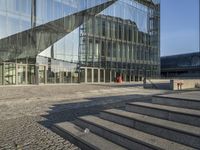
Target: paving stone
28	112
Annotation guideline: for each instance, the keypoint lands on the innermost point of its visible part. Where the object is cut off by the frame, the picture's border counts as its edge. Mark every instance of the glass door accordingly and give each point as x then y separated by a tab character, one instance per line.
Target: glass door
42	70
31	74
96	75
21	72
9	74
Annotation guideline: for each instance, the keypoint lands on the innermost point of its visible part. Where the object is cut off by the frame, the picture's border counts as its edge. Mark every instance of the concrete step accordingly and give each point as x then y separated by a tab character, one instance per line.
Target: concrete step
178	132
84	140
126	136
183	115
177	100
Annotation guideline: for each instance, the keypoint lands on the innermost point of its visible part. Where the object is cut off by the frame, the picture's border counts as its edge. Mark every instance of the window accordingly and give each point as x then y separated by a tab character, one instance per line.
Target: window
114	50
130	34
96	51
3	4
120	31
109	50
90	27
135	35
108	29
113	30
24	6
130	52
103	48
125	32
90	48
97	26
116	31
103	28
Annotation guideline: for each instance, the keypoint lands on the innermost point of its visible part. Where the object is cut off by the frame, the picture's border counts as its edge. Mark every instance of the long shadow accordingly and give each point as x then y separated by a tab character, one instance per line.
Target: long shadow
123	85
69	111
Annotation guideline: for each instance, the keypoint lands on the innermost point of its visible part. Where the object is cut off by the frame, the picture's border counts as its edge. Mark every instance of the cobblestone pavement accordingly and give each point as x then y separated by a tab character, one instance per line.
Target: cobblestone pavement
27	133
27	112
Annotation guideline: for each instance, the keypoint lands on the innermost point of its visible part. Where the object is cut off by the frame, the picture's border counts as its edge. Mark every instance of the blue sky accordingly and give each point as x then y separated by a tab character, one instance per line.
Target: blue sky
179	26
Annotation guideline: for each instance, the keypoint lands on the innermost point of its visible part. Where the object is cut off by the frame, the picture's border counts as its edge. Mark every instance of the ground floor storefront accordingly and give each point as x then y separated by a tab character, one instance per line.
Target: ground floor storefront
22	74
97	75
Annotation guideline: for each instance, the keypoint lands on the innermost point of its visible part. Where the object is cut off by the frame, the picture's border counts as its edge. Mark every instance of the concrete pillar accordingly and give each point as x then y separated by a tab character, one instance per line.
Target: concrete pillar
133	78
85	75
60	77
71	77
124	77
55	78
37	74
16	74
110	76
3	74
45	74
26	74
104	76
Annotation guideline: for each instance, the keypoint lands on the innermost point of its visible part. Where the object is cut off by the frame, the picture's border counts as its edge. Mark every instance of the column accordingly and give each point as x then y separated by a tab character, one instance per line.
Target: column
37	74
85	75
104	76
110	76
45	74
16	74
3	74
26	74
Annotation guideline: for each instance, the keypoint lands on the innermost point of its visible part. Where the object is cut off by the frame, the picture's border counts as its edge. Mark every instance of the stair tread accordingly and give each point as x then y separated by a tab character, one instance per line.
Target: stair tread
156	121
188	96
169	108
131	133
89	138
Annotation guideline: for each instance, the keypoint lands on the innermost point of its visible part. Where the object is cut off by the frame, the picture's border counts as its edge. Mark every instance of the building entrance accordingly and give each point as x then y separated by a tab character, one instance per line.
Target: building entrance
21	74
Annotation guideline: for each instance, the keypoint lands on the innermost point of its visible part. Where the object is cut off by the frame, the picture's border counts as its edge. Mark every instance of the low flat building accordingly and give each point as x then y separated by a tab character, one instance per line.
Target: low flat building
183	65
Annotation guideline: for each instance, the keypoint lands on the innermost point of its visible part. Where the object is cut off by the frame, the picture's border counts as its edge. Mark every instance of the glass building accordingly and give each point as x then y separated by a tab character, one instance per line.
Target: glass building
181	66
73	41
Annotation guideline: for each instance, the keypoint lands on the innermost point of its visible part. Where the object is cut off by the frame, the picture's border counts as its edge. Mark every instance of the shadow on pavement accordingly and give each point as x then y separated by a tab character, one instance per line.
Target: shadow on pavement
122	85
89	106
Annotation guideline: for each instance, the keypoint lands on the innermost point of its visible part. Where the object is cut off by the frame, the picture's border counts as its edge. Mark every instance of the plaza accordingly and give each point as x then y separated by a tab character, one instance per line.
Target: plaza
29	112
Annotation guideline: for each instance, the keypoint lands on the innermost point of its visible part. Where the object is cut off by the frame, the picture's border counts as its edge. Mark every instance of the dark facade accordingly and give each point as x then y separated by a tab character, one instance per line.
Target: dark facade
184	65
71	41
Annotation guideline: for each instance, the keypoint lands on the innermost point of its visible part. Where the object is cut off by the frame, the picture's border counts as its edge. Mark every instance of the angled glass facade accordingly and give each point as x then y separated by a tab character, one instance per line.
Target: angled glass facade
71	41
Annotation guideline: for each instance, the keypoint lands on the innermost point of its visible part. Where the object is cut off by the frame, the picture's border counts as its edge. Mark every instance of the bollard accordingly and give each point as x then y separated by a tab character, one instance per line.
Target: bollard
181	84
178	85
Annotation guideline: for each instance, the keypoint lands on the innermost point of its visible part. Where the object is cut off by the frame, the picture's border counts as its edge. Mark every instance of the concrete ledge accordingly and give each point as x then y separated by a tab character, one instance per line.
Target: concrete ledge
157	84
174	84
184	84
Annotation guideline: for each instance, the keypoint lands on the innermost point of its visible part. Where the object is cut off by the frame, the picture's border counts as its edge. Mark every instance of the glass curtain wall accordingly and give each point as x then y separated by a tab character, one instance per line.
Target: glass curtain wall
59	71
67	48
126	41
